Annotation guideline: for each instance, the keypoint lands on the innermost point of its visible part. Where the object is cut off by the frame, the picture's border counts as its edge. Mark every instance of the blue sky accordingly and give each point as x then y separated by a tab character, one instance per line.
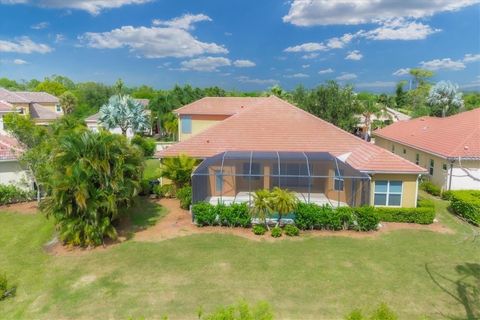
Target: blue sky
241	44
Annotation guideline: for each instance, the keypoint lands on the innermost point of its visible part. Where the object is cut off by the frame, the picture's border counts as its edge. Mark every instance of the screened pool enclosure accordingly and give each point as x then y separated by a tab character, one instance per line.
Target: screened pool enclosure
314	177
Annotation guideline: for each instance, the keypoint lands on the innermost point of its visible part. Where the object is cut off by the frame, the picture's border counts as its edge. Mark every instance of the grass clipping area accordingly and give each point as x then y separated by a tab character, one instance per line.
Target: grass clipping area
416	273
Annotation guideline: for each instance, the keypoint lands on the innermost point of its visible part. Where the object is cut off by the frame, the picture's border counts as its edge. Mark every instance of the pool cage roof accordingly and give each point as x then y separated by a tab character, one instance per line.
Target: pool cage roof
307	165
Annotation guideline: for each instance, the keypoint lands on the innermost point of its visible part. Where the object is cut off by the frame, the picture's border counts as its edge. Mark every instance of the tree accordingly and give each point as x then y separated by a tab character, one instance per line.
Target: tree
93	176
445	98
262	206
178	169
277	91
283	202
333	103
370	108
125	113
91	96
400	95
68	102
170	124
50	86
420	76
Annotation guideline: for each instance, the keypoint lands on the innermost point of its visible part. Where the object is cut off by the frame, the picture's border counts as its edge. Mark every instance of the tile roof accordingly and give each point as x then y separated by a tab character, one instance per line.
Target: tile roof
143	102
271	124
220	105
38	111
10	148
450	137
38	97
5	106
11	97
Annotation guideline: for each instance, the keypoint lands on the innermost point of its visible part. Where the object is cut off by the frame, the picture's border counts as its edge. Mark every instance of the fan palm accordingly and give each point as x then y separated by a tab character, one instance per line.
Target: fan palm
283	202
125	113
93	175
262	206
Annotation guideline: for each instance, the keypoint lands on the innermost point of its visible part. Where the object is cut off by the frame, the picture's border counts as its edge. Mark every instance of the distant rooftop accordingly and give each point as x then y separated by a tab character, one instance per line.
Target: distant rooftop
219	105
26	97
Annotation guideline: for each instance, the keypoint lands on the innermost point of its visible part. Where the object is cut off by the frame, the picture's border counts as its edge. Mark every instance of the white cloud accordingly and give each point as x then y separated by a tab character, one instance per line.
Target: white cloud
23	45
297	76
376	84
152	42
19	61
185	22
401	72
346	76
59	38
245	79
399	29
327	12
309	56
40	25
471	58
243	63
305	66
354	55
325	71
443	64
307	47
208	64
92	6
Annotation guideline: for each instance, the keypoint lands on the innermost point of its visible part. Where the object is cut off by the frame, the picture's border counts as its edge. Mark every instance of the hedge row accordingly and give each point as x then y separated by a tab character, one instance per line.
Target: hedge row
12	194
466	204
235	215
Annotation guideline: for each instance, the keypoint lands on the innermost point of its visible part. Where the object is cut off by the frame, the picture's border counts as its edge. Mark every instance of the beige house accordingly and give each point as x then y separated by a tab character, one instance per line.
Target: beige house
448	148
252	143
42	107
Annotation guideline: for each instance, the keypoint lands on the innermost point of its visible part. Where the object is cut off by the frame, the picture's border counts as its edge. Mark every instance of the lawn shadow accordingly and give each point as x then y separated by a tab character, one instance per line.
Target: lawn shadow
465	288
144	213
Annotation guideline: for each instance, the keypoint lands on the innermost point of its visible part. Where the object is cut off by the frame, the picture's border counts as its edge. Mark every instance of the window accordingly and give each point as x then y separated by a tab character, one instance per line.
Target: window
393	148
417	159
186	124
218	181
404	151
256	170
432	166
58	108
388	193
444	167
338	180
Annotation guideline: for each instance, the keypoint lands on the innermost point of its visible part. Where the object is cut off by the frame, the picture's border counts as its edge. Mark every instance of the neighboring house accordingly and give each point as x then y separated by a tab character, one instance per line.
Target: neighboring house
253	143
449	148
42	107
94	124
11	172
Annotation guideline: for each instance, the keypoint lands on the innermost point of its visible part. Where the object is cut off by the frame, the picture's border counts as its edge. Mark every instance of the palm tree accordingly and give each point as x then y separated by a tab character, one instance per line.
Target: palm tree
124	112
170	124
262	206
68	102
369	109
178	169
93	175
283	202
444	95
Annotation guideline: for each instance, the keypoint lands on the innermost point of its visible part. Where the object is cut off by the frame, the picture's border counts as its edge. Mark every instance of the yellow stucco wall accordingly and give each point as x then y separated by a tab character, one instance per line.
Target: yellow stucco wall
409	187
199	124
439	176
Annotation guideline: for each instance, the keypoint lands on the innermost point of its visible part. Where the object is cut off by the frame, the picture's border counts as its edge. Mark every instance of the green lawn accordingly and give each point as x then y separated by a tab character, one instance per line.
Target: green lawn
416	273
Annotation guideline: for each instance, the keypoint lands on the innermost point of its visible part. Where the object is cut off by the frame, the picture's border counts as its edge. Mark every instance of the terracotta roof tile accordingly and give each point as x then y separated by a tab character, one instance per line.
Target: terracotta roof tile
450	137
5	106
220	105
38	111
271	124
10	148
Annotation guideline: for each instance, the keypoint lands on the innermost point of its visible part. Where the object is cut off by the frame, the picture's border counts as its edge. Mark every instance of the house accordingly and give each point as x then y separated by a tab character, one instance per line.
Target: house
94	124
252	143
42	107
11	171
449	148
386	117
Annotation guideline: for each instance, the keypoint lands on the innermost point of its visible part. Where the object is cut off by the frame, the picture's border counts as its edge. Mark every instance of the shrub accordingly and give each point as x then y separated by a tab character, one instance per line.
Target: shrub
241	311
447	195
234	215
291	230
147	145
345	216
466	204
12	194
430	188
145	188
6	290
259	229
366	218
204	214
306	215
185	196
166	190
422	215
425	203
311	216
382	312
276	232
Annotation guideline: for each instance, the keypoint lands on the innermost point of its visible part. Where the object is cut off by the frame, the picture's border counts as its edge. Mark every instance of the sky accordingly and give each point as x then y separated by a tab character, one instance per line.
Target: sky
247	45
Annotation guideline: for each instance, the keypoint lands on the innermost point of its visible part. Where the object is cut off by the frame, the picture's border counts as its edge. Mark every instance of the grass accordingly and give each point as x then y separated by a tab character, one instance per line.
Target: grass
152	169
417	273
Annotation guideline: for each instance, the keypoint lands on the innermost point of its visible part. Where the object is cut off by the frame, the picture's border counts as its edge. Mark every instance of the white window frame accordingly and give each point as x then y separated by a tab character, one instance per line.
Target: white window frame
58	108
431	167
387	194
